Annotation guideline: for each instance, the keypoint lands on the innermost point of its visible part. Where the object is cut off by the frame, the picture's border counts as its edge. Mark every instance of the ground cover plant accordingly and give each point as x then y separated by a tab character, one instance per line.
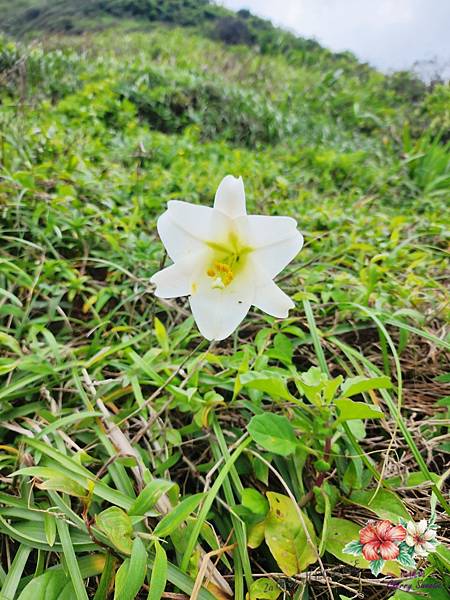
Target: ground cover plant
139	460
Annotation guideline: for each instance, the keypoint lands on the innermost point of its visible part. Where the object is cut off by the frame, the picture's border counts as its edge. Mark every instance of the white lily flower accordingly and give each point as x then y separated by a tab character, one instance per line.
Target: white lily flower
422	537
225	260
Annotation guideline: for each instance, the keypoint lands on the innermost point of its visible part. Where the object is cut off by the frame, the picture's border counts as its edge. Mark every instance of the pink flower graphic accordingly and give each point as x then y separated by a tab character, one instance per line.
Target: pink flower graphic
378	540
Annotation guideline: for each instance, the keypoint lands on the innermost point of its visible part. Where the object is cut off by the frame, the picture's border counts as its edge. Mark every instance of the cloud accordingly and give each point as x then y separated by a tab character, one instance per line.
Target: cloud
390	34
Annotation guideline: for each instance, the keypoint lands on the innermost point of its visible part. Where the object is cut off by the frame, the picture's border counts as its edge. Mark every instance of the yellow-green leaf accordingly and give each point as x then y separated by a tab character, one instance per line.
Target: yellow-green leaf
263	589
350	410
50	528
177	515
116	525
61	483
161	335
274	433
385	504
255	534
360	384
286	537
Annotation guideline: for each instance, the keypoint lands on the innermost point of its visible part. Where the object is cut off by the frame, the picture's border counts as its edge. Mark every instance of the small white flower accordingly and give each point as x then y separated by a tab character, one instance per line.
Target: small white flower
225	260
422	537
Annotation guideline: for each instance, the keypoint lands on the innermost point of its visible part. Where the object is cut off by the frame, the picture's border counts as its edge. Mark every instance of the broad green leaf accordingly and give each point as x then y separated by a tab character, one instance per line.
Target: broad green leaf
263	589
255	534
274	433
350	410
80	474
353	476
15	572
329	390
411	479
340	533
255	501
116	525
55	584
51	585
54	479
131	574
158	578
73	568
137	568
177	515
312	384
10	342
50	528
106	579
120	581
32	534
360	384
286	537
386	504
63	484
150	496
273	386
443	553
282	349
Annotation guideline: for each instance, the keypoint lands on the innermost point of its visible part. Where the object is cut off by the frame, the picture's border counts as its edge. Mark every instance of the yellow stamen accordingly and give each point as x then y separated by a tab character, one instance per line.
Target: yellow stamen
221	273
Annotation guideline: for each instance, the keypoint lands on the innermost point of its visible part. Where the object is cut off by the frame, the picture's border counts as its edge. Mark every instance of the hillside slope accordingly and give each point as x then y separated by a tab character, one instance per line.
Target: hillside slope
114	409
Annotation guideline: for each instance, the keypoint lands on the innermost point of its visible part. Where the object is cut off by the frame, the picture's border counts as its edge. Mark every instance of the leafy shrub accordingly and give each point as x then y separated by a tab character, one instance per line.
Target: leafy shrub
170	101
233	30
428	165
407	85
9	54
436	111
53	73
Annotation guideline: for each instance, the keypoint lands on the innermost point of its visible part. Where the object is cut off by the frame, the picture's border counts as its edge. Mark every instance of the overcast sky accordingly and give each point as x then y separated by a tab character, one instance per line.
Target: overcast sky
390	34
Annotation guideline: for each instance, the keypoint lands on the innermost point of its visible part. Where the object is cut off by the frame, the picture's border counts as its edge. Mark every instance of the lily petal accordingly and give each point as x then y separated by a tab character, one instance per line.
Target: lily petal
272	300
176	240
274	258
230	197
275	240
261	230
218	312
176	280
185	228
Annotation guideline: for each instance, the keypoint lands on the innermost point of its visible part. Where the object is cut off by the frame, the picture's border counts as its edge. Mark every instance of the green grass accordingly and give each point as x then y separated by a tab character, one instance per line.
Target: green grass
109	395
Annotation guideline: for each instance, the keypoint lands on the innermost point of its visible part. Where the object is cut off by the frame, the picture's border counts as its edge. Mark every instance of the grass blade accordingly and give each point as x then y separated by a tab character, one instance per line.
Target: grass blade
159	573
14	575
71	560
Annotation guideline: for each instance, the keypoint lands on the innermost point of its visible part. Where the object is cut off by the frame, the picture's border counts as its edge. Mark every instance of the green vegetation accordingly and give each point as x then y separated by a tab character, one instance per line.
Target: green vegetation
130	447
